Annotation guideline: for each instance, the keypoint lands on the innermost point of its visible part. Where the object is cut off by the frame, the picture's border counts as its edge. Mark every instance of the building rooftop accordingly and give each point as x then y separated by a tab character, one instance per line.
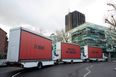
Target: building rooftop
3	30
87	24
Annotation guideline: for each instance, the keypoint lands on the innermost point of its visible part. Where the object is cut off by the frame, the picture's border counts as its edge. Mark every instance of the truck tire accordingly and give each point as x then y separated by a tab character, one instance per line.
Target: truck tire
39	66
57	62
22	66
88	60
72	62
97	60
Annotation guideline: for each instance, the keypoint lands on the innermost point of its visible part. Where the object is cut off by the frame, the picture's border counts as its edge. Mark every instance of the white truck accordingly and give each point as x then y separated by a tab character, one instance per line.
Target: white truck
67	52
29	49
92	53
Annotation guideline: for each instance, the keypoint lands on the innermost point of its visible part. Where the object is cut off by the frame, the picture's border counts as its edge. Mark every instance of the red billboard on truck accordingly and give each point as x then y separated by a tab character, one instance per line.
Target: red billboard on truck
95	52
34	47
29	49
70	51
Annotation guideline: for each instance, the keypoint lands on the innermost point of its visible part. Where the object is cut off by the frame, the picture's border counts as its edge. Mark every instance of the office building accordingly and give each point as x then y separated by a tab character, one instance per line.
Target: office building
94	35
73	19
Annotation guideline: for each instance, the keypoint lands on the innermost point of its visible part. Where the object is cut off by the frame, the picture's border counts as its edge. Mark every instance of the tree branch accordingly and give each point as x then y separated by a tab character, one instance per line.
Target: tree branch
113	5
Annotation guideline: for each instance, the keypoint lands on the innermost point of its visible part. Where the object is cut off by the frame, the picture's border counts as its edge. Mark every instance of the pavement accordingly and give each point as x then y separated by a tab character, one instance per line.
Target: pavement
2	62
9	71
105	69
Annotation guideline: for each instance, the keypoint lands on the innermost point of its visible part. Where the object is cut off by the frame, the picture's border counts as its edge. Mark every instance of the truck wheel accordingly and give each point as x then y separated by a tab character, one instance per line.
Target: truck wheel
96	60
87	60
72	62
39	66
22	66
56	62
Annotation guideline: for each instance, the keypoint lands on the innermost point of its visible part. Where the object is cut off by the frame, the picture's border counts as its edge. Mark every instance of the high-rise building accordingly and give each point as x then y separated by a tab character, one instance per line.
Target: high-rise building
73	19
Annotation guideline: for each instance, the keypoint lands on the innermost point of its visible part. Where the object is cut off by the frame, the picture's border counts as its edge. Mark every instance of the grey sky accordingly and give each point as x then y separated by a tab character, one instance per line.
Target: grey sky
48	15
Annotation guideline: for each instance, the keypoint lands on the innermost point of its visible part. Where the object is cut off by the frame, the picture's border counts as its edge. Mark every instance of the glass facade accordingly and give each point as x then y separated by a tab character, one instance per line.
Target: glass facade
89	36
94	35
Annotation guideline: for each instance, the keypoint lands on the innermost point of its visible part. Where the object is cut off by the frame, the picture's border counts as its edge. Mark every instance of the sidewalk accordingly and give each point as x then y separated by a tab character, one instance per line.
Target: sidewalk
2	62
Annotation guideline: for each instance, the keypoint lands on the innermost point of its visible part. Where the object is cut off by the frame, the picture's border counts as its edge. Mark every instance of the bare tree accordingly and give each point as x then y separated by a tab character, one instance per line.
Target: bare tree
61	36
112	19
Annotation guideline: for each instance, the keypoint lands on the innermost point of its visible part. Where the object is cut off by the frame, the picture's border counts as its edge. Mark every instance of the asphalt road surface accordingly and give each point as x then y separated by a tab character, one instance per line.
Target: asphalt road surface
64	70
9	71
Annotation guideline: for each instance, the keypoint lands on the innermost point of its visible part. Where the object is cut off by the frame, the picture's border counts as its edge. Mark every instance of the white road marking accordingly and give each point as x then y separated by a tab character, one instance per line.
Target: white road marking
16	74
89	71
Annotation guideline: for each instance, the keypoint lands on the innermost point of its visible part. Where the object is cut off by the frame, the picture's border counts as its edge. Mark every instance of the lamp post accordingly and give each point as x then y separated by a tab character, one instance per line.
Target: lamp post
109	57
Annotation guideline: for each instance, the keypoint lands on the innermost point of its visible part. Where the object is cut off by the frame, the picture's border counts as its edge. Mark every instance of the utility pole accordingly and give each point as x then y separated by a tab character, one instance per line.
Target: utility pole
109	44
109	57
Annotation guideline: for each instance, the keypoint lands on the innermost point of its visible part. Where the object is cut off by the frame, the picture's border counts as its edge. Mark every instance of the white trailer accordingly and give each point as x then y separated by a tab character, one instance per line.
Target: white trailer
29	48
67	52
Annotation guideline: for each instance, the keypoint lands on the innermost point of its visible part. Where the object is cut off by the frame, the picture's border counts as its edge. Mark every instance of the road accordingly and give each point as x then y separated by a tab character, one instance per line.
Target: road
64	70
9	71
